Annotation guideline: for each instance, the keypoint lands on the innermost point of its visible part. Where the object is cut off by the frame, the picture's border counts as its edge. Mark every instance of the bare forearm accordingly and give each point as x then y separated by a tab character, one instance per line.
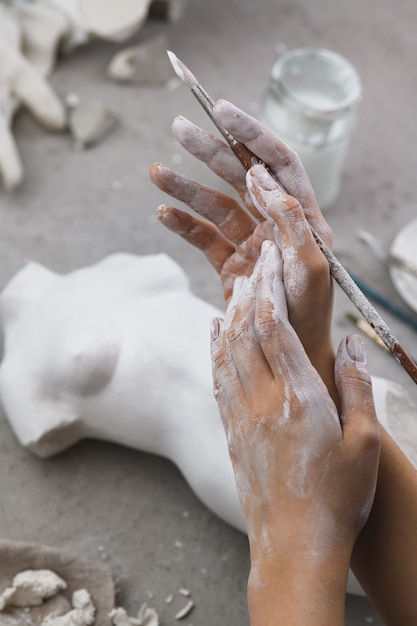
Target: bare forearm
384	557
294	594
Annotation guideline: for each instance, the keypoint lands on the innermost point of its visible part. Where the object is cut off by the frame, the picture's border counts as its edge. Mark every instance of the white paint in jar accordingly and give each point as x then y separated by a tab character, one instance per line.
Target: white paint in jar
311	104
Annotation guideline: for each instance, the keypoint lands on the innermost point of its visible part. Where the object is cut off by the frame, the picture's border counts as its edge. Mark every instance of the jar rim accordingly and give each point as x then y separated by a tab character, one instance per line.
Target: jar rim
334	61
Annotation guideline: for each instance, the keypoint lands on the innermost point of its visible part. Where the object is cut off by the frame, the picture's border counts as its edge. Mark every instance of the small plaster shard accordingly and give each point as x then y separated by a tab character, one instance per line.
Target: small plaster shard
31	588
89	122
146	63
185	611
184	592
119	617
83	612
146	617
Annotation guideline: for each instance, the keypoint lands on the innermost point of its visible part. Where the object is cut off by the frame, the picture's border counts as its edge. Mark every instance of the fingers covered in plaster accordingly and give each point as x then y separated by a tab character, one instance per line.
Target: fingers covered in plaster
283	161
286	439
220	209
303	262
199	233
216	154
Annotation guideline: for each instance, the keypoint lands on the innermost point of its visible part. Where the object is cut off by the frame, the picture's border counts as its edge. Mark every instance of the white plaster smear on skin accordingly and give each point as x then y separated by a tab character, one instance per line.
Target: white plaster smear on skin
248	130
297	277
304	393
261	465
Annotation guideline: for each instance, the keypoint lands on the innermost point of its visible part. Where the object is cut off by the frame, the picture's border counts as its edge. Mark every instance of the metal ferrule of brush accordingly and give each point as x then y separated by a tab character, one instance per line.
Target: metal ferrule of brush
207	103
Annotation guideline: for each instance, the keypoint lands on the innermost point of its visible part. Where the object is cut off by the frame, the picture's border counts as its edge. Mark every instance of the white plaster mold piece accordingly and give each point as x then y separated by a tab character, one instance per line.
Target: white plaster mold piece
114	20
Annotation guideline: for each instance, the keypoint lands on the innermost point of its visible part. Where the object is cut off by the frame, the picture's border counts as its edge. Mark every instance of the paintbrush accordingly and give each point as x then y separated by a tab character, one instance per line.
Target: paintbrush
386	256
366	329
339	273
389	306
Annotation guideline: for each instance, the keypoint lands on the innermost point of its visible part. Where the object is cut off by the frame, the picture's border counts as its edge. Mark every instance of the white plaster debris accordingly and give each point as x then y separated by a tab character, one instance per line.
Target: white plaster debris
103	554
89	121
146	63
31	588
184	592
146	617
169	599
185	611
83	612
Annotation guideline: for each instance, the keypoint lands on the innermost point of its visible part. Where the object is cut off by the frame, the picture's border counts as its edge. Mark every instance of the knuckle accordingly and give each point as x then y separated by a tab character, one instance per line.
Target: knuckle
237	331
318	266
266	325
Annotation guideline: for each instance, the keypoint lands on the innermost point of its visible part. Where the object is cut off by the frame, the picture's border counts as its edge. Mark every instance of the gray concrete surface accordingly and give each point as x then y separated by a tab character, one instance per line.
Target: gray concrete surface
135	510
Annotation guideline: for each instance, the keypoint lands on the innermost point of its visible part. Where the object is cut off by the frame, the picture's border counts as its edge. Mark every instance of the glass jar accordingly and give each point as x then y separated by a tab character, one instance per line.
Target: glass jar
311	104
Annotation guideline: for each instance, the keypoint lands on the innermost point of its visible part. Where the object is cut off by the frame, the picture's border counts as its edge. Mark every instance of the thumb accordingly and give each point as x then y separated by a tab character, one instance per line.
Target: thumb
354	387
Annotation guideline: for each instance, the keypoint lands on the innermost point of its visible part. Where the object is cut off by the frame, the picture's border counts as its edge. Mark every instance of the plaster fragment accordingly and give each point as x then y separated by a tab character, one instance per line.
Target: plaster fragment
83	612
89	122
185	611
146	617
31	588
146	63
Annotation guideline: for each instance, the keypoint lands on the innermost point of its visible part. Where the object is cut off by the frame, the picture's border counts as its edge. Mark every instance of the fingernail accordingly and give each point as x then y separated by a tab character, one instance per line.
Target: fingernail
263	178
214	328
355	348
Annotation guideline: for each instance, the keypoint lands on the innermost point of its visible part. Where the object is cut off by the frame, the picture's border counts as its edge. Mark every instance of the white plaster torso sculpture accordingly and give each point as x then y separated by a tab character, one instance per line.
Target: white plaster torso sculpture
120	351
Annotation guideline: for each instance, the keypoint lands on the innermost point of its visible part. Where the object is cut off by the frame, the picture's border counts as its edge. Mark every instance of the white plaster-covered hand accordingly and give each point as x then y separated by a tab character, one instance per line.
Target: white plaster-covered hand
32	33
22	79
306	474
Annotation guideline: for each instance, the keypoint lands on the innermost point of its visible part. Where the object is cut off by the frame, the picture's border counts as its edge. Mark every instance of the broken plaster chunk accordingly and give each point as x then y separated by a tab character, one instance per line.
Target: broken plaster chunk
119	617
31	588
146	63
146	617
185	611
83	612
89	122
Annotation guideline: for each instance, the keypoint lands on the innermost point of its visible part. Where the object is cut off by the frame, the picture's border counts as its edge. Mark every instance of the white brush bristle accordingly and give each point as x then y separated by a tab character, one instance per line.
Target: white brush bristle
182	70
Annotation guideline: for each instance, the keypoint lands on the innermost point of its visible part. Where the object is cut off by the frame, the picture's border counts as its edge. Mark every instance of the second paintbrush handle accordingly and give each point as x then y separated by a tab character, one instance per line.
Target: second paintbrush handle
358	298
392	308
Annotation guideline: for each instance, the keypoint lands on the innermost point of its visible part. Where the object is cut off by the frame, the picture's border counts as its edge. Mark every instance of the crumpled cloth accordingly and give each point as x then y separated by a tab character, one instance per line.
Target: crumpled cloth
77	572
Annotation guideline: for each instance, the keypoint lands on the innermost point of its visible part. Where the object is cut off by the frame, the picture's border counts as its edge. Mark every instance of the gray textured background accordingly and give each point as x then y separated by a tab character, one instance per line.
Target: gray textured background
97	497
